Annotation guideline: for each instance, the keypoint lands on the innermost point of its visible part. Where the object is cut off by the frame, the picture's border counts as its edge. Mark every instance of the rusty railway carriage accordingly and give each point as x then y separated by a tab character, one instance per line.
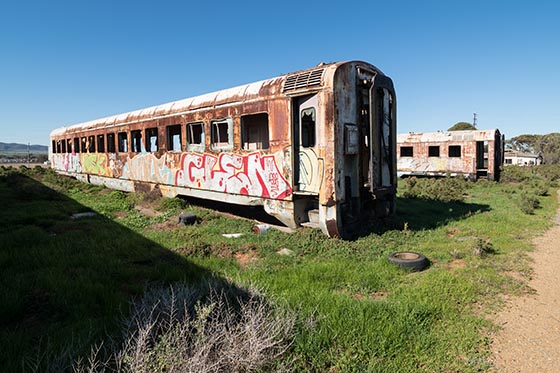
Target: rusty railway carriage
314	148
473	154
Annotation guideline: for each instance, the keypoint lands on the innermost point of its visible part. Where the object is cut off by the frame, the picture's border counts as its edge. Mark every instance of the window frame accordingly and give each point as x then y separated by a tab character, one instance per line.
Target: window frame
123	147
215	132
148	132
452	151
169	144
251	121
406	147
136	141
100	143
310	141
91	144
110	140
198	146
433	154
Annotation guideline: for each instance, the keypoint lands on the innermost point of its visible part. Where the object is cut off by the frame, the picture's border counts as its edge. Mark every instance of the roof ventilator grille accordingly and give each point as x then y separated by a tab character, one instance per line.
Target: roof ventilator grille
303	80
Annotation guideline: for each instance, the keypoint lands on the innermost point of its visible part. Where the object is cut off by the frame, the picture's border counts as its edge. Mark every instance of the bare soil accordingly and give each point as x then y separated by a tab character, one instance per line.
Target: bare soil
529	340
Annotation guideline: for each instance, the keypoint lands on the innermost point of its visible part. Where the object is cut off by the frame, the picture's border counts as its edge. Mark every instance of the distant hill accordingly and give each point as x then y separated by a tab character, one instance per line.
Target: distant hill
19	148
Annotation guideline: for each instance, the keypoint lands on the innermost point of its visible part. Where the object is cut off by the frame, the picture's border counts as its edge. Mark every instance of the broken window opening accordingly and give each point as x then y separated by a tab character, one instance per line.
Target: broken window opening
433	151
195	136
407	151
110	142
174	138
151	140
83	147
220	134
76	147
91	144
454	151
123	142
308	127
101	143
63	145
68	145
254	132
136	141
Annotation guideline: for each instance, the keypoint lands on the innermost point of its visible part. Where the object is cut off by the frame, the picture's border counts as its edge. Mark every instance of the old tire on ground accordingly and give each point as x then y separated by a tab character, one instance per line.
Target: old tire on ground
409	260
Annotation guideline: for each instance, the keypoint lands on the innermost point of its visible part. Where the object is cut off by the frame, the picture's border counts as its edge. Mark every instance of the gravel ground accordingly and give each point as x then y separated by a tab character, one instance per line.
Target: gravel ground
530	338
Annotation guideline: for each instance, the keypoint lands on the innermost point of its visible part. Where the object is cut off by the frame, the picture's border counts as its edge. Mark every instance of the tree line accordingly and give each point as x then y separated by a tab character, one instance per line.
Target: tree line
548	146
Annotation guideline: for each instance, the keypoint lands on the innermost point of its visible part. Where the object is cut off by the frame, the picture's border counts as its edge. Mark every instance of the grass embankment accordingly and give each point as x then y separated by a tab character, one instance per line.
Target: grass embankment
66	281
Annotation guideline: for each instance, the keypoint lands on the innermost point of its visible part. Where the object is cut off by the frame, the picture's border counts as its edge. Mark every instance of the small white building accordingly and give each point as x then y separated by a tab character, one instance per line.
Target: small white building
514	157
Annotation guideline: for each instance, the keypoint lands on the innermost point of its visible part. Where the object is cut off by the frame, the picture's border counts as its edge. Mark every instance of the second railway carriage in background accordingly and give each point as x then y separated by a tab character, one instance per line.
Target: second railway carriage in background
314	147
473	154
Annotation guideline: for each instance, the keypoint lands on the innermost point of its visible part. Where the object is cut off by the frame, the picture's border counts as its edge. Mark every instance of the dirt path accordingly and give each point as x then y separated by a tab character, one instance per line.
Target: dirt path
530	339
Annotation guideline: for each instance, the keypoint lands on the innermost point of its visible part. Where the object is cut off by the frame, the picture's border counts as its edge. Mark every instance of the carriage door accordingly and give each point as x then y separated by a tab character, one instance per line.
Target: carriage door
382	134
307	166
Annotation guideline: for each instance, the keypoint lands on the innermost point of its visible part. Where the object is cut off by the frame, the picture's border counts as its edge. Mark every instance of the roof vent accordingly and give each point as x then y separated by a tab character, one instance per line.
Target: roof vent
303	80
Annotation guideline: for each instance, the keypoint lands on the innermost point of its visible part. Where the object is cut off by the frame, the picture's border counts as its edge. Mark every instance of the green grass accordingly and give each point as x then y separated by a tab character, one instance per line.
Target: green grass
67	281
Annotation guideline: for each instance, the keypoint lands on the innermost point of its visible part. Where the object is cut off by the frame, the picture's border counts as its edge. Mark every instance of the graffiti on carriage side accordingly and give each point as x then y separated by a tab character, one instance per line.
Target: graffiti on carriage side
250	174
147	167
311	170
69	162
96	163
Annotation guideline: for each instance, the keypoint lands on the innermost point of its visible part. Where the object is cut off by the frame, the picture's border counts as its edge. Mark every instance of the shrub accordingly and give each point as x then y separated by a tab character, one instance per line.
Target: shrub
515	174
210	328
449	189
528	202
538	186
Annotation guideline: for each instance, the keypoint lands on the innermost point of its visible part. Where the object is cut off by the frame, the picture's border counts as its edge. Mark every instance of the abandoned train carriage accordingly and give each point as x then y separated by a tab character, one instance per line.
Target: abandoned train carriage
472	154
315	147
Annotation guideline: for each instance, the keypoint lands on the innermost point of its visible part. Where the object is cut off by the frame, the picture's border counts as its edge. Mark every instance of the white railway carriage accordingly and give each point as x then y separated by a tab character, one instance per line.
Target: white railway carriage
314	148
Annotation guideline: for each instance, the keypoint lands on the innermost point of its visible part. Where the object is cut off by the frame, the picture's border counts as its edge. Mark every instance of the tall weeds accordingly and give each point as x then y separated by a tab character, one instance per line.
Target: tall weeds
208	328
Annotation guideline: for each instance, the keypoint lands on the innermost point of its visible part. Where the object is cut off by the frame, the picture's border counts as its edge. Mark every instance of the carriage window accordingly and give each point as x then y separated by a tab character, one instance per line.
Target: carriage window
308	127
151	140
254	131
136	141
91	144
433	151
76	145
58	146
101	143
68	145
222	134
123	142
195	136
63	143
174	138
53	146
83	147
407	151
110	142
454	150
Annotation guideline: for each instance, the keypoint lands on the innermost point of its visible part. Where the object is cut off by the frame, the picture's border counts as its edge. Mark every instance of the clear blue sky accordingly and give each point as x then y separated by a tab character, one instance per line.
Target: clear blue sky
66	62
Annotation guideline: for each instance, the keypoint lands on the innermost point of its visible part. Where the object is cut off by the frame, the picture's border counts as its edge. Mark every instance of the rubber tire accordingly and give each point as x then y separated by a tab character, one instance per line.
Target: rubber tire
409	260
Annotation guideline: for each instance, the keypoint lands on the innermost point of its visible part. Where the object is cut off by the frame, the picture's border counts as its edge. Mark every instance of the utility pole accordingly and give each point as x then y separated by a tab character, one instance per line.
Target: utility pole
474	120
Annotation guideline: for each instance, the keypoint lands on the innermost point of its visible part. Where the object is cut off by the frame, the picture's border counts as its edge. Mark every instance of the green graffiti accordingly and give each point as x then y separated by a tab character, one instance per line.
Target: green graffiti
95	164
